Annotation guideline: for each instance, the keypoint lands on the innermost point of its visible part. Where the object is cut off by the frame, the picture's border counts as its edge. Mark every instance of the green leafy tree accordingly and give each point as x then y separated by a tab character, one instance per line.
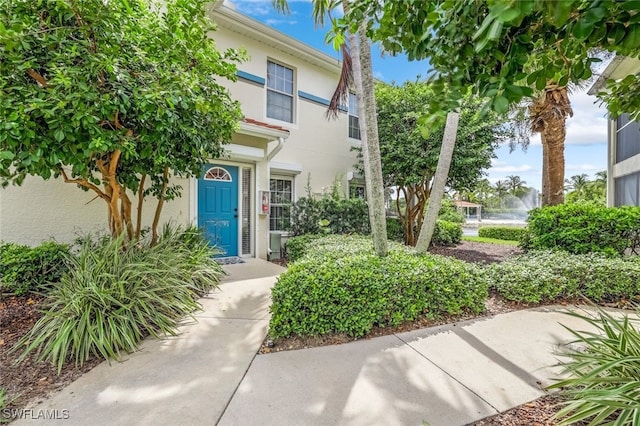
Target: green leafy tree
114	96
517	187
506	51
409	160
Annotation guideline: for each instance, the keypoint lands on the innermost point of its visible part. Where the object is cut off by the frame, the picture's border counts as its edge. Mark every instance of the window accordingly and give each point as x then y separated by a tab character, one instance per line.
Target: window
354	125
627	138
279	92
357	190
627	190
281	199
217	173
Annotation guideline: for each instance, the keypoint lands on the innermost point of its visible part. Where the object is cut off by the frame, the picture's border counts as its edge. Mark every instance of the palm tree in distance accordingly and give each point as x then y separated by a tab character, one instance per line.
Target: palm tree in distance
516	186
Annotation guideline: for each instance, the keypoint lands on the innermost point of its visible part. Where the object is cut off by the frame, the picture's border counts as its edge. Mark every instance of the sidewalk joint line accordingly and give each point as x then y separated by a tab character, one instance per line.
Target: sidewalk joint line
447	373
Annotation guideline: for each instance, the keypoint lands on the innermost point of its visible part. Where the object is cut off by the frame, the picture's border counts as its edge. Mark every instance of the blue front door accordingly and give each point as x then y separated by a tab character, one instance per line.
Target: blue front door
218	207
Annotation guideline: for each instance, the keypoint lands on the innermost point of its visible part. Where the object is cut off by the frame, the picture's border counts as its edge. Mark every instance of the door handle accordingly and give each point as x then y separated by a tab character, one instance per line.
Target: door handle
235	215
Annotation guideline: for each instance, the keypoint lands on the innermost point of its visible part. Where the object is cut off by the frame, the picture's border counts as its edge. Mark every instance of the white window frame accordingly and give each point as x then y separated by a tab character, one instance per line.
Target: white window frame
278	205
291	95
353	113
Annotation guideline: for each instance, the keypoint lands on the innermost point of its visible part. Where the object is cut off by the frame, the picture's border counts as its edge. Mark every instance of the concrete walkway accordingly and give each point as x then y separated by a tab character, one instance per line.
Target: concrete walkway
209	374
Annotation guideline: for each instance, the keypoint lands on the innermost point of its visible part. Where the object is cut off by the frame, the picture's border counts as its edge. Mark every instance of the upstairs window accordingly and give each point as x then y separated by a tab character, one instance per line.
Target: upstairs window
354	124
279	92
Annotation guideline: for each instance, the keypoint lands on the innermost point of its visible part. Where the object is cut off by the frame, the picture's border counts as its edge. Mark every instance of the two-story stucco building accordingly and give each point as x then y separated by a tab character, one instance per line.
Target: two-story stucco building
623	153
284	142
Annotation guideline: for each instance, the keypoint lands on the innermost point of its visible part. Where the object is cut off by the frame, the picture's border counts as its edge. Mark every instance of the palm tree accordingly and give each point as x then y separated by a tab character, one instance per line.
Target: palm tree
548	114
501	188
516	186
578	183
357	73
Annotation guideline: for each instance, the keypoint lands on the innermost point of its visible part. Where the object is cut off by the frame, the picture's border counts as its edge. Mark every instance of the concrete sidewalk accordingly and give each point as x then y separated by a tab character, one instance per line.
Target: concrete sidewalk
449	375
184	380
210	374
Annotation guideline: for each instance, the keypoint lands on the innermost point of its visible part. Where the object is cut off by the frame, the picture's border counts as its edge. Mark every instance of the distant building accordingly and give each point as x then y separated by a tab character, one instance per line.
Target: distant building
623	164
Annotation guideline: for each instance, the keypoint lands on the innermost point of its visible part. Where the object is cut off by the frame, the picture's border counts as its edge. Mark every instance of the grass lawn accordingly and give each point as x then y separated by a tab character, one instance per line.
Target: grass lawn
489	240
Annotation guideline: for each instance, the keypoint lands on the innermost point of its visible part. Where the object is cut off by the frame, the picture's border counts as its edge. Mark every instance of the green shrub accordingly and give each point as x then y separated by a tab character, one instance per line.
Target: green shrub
297	246
547	276
114	295
341	286
344	216
449	212
508	233
584	228
446	233
24	269
602	381
395	232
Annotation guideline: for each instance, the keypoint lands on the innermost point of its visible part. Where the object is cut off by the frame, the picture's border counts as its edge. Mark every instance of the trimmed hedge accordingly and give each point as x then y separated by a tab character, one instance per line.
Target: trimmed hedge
446	233
547	276
584	228
508	233
341	286
25	269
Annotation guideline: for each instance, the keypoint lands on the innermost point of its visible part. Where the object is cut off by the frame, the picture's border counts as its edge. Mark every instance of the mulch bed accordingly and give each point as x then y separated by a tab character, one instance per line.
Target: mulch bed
30	379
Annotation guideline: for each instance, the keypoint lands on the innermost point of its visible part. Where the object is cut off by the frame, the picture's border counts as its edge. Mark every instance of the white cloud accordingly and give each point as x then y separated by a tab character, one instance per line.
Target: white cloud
511	169
495	162
583	167
378	75
274	21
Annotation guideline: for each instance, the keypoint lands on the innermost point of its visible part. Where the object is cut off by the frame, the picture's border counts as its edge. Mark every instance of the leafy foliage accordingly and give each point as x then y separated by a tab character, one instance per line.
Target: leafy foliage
329	215
584	228
112	93
395	231
446	233
340	286
502	50
509	233
114	295
297	246
25	269
409	159
603	376
545	276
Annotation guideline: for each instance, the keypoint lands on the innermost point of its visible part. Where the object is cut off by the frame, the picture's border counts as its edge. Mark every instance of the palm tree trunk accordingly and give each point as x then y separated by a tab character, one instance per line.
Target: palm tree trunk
439	182
554	136
545	171
377	211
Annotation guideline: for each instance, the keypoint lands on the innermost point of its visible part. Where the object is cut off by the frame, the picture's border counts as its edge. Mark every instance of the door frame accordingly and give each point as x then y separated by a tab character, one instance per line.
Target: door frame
193	204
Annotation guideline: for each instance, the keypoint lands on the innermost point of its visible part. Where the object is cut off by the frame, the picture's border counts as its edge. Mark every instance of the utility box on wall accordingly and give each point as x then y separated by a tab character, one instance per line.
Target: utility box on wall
263	196
275	245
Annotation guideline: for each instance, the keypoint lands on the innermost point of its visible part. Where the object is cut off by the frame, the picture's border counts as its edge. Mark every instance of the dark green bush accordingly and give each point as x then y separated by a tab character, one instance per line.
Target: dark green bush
344	216
395	231
546	276
24	269
584	228
341	286
508	233
115	294
297	246
446	233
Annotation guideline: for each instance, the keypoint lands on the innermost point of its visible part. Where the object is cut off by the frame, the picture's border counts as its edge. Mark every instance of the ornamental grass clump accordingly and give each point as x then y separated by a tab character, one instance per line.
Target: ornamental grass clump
603	372
115	294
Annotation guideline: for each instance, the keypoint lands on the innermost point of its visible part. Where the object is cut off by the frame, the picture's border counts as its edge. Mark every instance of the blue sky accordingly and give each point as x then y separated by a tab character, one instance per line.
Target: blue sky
585	150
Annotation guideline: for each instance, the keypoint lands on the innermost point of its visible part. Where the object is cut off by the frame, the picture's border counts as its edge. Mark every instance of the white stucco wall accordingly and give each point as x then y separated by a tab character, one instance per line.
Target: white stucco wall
41	210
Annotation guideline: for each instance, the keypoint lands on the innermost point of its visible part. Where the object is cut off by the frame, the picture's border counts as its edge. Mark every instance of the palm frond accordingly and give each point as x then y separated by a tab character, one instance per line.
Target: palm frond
341	94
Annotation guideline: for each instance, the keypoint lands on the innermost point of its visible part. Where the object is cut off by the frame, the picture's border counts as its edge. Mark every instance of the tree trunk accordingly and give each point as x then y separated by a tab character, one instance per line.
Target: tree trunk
554	136
545	171
439	182
156	217
363	78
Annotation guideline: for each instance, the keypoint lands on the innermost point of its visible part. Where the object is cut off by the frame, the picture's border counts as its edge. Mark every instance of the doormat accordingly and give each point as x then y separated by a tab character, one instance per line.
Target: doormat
229	260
